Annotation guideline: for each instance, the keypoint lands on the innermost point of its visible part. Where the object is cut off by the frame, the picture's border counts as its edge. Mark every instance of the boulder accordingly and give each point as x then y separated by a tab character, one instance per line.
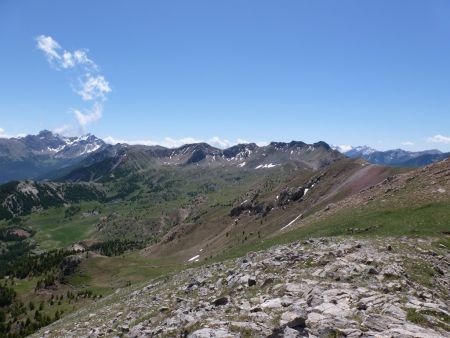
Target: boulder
220	301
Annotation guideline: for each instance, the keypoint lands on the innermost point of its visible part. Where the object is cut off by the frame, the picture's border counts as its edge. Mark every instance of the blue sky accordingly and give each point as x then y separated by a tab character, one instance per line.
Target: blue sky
346	72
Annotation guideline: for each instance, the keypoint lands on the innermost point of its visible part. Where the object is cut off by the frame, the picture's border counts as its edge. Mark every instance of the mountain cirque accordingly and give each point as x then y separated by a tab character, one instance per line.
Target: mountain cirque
315	288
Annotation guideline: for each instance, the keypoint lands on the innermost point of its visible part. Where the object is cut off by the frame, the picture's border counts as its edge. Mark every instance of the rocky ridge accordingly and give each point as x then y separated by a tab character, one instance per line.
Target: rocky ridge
316	288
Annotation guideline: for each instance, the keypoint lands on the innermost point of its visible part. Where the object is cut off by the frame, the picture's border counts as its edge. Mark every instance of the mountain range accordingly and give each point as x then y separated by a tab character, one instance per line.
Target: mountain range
52	156
38	156
395	157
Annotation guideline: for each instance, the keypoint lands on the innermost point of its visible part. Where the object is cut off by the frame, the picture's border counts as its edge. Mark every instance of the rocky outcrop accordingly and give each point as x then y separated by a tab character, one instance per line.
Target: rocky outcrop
290	195
316	288
69	264
294	194
252	205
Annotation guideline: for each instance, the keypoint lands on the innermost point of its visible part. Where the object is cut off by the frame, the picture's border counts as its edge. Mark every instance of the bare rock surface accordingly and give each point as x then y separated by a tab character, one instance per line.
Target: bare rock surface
317	288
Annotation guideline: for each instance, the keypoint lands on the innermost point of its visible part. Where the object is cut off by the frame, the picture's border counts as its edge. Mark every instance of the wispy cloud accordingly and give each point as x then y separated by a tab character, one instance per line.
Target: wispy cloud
60	58
90	115
439	139
78	57
407	143
50	47
90	85
65	130
4	134
170	142
93	87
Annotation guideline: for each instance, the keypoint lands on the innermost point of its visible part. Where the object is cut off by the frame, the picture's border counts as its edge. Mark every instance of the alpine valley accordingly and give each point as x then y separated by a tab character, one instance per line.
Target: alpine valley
283	240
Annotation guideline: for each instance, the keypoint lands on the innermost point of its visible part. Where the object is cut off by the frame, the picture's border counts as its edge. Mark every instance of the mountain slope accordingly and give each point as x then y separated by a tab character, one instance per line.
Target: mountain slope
353	284
213	208
263	208
414	202
22	198
320	287
36	156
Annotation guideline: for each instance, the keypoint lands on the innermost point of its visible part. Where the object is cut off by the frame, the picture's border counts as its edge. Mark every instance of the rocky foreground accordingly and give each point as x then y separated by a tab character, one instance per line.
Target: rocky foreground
317	288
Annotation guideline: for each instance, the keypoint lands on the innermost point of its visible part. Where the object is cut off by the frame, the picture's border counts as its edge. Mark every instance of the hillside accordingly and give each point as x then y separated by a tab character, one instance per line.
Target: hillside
265	208
381	270
320	287
23	198
142	218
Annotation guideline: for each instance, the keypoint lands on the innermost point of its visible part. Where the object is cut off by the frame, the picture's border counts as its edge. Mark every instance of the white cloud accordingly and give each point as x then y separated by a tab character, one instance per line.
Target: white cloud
343	148
217	142
49	46
3	134
439	139
174	143
112	140
93	87
78	57
407	143
89	116
262	143
65	130
170	142
61	58
241	141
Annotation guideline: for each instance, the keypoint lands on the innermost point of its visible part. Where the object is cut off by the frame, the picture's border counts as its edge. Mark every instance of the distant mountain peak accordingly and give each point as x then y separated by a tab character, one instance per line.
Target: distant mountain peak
393	157
45	132
34	156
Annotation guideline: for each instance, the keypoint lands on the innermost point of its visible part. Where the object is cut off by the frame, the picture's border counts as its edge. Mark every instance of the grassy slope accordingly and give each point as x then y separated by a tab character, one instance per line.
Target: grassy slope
415	203
427	220
103	274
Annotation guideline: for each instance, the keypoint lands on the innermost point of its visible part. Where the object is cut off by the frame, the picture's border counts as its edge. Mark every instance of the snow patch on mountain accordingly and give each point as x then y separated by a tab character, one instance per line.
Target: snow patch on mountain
266	166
